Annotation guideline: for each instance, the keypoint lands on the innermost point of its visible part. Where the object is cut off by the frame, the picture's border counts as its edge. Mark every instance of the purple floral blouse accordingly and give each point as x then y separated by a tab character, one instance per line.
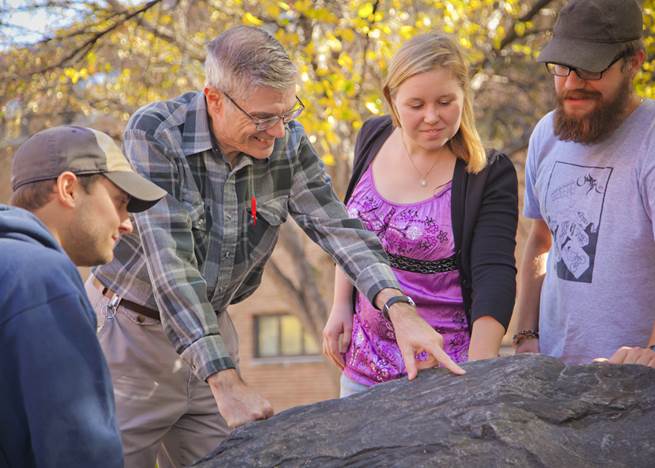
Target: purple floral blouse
419	231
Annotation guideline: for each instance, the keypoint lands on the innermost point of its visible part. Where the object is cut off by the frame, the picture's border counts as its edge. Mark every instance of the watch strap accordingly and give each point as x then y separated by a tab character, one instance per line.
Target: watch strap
393	300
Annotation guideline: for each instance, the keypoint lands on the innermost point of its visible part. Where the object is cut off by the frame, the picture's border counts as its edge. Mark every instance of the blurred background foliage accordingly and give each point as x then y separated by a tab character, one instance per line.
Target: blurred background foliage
94	62
101	60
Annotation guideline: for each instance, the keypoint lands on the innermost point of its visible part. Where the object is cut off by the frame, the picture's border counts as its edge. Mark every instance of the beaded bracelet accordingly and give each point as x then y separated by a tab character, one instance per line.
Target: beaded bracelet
523	334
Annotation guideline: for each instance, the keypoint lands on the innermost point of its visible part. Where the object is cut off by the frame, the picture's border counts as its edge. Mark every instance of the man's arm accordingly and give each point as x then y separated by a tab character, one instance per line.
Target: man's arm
167	239
414	335
178	286
634	355
531	277
641	355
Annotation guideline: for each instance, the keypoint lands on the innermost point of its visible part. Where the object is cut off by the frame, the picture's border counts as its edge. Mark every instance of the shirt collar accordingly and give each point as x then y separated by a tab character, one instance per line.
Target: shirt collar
196	136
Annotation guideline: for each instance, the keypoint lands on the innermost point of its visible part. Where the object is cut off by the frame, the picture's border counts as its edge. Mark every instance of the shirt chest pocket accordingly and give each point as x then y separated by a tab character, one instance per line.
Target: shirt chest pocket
263	232
274	211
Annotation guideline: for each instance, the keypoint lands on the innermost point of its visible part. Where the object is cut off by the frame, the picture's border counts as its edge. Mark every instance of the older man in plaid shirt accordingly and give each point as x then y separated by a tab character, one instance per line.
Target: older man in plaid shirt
162	301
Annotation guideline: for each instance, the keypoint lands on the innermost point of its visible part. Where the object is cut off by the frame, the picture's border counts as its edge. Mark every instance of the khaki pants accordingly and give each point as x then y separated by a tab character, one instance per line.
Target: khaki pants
166	415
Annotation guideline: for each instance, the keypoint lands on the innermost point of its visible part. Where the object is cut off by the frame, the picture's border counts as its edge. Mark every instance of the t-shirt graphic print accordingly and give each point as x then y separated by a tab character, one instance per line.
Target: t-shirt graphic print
574	202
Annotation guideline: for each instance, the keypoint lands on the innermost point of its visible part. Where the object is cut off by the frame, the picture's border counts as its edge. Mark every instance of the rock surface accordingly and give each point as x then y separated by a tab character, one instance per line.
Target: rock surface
523	411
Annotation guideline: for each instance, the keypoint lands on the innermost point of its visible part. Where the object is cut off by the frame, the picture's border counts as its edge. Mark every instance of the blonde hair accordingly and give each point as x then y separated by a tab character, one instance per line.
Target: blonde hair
422	54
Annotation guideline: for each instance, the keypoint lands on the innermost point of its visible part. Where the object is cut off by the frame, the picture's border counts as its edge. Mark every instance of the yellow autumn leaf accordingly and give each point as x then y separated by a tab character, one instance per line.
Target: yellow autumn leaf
365	10
373	107
333	43
465	43
272	10
303	6
325	16
251	20
346	34
91	58
345	61
520	29
328	159
406	32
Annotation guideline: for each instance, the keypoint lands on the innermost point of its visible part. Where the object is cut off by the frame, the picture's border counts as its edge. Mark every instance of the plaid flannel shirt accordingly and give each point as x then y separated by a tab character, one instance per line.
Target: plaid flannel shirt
198	250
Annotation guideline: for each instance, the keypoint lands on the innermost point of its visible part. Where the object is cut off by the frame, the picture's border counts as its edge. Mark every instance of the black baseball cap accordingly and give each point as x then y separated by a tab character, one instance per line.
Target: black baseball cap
82	151
590	34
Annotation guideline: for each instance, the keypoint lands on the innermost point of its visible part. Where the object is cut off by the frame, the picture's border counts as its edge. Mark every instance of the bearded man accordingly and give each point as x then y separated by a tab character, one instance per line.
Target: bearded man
590	192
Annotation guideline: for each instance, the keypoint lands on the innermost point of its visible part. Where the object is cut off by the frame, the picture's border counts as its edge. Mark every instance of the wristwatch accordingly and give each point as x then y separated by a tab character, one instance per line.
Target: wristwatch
392	301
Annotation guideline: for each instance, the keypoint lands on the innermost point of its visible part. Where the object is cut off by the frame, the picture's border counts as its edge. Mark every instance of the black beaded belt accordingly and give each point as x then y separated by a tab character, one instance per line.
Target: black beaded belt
423	266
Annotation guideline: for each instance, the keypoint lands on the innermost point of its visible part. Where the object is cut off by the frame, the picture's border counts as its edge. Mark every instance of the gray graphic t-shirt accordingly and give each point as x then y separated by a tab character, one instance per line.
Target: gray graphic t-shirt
598	202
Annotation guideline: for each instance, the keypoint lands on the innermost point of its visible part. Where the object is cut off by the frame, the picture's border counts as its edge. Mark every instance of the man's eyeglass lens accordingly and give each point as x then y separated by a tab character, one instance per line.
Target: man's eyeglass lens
563	70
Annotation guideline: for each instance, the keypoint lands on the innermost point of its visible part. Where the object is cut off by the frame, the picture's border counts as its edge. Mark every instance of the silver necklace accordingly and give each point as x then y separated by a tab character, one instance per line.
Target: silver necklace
423	179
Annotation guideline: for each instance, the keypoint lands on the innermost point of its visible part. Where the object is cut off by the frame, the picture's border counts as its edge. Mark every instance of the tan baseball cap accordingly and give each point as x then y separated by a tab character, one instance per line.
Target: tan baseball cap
82	151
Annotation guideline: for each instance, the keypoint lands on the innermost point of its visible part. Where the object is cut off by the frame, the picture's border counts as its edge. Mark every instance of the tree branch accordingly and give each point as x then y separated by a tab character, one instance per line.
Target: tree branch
87	45
512	35
367	43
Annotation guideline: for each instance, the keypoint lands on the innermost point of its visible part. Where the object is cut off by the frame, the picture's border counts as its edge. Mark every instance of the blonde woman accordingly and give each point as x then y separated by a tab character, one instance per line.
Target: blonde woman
444	210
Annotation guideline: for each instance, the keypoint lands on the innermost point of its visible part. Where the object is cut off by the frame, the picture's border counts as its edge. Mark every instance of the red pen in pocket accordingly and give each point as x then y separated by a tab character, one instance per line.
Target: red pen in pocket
253	209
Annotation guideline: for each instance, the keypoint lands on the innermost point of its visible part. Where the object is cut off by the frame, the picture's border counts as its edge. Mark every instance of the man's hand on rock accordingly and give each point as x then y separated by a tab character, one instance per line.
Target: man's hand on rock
237	403
631	355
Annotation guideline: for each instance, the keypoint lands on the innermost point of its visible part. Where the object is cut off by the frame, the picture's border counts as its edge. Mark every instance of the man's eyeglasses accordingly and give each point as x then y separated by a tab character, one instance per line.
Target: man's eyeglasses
268	122
564	70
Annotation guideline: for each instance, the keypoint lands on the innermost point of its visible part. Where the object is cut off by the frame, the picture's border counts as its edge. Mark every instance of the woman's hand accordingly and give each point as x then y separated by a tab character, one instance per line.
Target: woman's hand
339	324
528	345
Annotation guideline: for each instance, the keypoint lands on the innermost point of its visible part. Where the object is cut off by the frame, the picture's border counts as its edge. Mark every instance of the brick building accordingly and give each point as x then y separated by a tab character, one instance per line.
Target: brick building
276	356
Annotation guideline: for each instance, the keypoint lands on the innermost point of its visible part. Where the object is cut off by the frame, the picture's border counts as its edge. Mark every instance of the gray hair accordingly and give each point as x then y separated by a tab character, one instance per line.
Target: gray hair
243	58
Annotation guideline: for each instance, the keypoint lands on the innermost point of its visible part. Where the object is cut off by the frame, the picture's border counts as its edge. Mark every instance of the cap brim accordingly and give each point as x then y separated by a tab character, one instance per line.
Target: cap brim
589	56
143	193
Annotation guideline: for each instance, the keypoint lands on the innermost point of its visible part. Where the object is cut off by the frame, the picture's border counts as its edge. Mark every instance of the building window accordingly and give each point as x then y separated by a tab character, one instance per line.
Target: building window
282	335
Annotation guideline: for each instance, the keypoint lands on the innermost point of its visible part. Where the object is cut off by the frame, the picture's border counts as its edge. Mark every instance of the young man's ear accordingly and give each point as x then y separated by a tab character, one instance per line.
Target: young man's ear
635	62
67	188
214	98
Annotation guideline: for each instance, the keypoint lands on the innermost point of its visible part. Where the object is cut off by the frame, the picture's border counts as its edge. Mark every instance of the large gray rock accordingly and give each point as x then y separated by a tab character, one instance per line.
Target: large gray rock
523	411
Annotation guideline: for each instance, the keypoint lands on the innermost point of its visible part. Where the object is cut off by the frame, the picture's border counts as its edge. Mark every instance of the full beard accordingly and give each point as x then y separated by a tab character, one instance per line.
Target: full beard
600	123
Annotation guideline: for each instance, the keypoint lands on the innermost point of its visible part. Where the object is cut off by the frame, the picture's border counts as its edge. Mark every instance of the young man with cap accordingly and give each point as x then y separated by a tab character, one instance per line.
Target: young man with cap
590	191
73	189
235	165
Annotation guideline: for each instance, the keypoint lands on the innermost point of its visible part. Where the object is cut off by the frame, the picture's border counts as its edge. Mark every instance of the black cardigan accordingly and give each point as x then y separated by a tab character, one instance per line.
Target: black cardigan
484	211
